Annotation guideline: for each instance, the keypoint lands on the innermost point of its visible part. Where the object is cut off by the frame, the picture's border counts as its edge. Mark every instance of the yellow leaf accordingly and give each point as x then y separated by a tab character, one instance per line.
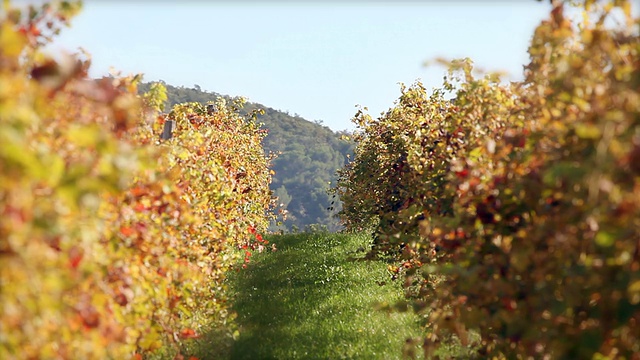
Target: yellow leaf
634	292
588	131
83	136
56	170
11	42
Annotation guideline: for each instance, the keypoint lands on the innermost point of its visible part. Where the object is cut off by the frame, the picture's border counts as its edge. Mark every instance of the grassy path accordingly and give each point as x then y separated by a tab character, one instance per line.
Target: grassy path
308	300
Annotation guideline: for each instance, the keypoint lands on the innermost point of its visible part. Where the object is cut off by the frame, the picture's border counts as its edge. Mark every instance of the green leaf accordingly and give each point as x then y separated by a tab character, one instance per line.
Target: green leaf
605	239
564	170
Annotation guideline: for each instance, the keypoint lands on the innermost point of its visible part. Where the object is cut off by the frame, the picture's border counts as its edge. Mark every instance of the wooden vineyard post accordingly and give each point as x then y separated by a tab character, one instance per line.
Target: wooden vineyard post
211	109
167	131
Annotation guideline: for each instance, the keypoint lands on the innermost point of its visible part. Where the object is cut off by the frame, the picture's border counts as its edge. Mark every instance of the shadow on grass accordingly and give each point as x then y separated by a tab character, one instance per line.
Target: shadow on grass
276	296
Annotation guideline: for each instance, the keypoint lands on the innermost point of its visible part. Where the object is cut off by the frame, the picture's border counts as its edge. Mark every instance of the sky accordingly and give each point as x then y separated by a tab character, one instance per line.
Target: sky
315	59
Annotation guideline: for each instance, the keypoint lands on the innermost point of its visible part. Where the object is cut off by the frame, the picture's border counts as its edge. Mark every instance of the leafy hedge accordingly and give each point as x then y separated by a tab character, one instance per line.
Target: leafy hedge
112	242
515	209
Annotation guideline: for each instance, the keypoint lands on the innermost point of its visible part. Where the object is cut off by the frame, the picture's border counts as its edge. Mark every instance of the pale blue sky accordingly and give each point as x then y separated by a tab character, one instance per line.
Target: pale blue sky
316	59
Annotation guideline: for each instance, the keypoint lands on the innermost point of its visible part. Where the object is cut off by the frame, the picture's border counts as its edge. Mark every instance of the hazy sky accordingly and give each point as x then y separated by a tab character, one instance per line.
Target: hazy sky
316	59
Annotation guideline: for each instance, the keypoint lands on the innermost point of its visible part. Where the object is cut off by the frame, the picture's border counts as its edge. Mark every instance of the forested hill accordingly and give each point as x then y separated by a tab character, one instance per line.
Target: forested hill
310	154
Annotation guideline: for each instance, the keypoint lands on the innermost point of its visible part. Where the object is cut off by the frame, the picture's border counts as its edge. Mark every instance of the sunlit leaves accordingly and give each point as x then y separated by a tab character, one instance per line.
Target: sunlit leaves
113	242
523	199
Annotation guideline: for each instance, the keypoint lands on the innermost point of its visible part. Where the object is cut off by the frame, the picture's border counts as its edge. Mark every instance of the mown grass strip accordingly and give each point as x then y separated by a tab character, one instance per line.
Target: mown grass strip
311	300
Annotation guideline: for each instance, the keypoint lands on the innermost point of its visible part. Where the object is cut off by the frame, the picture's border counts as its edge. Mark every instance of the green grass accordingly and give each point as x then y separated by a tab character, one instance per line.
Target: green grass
314	298
310	300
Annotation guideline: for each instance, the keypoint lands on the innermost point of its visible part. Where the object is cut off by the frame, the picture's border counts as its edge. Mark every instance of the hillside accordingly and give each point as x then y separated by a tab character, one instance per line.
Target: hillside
309	155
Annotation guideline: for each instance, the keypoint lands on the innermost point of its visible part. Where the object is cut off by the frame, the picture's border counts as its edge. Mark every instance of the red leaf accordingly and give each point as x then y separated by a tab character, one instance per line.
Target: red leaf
34	31
189	334
90	317
138	191
127	231
463	173
75	256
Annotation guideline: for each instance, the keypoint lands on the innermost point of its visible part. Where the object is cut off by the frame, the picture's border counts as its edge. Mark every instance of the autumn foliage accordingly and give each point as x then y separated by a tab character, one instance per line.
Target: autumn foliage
113	242
515	209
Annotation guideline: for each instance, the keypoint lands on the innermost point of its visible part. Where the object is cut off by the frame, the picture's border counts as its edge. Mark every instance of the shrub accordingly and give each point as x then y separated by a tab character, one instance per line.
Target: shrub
112	242
520	205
